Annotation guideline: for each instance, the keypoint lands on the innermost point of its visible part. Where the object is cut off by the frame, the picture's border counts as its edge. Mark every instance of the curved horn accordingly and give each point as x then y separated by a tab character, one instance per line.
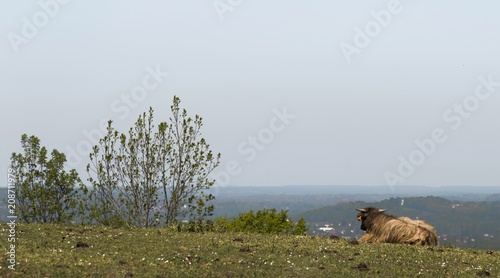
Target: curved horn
361	210
381	210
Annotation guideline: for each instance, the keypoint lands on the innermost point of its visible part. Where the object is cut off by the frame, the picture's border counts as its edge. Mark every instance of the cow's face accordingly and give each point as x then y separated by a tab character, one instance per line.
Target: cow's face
365	213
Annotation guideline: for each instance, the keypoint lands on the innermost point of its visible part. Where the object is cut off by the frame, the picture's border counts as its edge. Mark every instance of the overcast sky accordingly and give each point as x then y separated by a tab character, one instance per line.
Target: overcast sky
291	92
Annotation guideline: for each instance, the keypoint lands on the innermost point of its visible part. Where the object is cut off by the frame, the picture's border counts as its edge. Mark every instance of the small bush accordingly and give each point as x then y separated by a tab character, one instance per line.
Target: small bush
266	221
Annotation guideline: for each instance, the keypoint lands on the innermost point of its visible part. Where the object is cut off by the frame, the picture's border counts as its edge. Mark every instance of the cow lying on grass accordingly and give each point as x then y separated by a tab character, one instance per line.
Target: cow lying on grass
380	227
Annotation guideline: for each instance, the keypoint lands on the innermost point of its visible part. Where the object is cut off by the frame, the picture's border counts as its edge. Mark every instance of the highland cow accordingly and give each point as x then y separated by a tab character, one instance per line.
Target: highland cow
380	227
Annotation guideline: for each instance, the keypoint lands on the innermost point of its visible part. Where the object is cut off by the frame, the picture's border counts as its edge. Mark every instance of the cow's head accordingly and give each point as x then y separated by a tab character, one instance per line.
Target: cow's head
365	213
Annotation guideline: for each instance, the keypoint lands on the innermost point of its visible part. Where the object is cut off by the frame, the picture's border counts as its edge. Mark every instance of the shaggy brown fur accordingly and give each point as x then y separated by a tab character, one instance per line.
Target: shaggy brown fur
380	227
425	225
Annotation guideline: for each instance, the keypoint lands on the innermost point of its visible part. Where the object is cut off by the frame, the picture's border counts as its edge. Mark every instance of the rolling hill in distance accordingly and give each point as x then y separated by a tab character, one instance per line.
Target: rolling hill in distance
464	216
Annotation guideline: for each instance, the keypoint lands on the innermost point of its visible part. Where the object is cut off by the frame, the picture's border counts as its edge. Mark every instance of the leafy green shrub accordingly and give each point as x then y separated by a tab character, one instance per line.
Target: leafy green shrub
45	191
153	176
266	221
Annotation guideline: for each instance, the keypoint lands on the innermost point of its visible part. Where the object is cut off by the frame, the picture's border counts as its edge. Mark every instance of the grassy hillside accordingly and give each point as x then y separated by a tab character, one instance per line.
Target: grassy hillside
78	251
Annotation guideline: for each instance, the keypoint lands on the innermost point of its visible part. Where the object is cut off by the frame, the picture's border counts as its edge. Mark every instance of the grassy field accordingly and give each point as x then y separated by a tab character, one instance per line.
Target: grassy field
78	251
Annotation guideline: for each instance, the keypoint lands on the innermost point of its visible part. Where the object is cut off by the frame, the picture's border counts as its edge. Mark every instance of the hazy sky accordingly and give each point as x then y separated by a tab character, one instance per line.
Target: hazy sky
291	92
